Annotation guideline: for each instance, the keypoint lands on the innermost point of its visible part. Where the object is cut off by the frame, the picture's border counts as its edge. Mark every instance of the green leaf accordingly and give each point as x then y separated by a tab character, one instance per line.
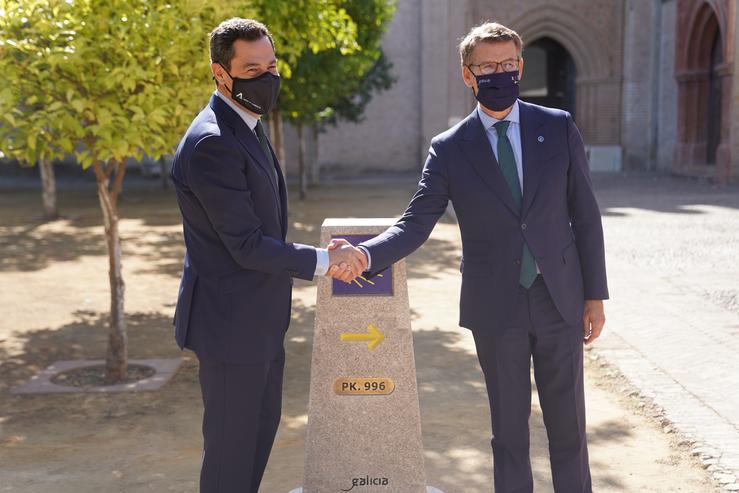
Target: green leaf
31	142
79	106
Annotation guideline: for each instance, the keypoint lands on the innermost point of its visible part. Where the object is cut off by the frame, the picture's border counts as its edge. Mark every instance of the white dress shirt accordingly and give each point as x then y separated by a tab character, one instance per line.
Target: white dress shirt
322	257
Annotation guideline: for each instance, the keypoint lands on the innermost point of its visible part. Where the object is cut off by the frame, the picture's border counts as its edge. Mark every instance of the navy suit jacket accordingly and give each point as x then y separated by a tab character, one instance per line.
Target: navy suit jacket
235	294
559	219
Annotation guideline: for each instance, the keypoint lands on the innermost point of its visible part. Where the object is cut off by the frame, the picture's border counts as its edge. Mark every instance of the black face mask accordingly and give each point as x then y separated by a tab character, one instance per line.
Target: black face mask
497	91
257	95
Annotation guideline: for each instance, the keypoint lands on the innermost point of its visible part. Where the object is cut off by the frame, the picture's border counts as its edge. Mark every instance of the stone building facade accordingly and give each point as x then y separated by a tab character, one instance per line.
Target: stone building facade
649	82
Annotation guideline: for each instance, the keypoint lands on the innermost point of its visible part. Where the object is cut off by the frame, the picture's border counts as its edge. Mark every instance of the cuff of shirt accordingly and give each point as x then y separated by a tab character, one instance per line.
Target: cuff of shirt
322	262
369	257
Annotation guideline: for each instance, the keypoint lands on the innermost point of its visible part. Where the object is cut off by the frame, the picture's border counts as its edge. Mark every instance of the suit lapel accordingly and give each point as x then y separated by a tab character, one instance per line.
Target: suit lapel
476	148
533	137
246	137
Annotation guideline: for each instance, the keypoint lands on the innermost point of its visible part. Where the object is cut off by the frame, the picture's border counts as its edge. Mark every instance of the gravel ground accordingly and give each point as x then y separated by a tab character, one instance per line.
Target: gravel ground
53	298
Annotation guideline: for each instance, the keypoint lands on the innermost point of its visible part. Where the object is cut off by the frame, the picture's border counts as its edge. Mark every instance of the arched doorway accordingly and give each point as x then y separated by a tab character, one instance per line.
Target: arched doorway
549	75
713	126
592	79
703	79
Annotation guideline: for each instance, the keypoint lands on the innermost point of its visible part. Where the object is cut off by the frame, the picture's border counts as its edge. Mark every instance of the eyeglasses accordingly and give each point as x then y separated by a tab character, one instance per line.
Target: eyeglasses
487	68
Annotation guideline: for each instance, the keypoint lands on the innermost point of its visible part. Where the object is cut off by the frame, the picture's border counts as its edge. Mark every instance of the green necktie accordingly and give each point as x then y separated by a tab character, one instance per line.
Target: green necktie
507	162
263	143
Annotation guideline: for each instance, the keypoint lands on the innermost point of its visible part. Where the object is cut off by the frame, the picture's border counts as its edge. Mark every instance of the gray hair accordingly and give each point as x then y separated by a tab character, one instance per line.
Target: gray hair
489	32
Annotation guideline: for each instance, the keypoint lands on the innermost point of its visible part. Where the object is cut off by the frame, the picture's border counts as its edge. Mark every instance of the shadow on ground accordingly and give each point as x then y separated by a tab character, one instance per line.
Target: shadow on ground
150	441
660	193
85	338
28	243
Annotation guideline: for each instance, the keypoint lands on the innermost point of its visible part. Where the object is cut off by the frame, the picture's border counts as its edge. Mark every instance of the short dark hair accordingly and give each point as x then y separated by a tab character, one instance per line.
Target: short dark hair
222	38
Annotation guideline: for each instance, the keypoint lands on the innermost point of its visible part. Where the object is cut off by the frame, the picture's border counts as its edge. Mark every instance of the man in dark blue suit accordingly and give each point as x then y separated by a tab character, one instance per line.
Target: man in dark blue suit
533	267
234	300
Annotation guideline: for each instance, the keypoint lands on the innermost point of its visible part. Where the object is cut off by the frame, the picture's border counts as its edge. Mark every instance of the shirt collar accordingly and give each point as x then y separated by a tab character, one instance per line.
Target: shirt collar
250	120
488	121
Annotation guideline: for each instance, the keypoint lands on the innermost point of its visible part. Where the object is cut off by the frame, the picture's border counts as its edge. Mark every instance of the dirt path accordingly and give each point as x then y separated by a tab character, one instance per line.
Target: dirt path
53	301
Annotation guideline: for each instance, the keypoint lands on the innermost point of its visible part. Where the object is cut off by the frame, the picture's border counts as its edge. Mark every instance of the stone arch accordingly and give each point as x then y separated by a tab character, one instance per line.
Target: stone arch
705	19
593	58
585	47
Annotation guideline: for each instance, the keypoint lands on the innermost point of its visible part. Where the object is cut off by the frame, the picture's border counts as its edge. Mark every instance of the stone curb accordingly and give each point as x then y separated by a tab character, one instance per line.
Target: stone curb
42	384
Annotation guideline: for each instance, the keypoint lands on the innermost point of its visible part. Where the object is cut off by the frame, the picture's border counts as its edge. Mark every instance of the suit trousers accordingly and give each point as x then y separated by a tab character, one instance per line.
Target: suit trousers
242	408
536	331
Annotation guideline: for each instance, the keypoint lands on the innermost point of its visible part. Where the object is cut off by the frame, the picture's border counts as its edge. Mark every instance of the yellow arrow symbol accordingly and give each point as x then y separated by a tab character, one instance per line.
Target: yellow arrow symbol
373	337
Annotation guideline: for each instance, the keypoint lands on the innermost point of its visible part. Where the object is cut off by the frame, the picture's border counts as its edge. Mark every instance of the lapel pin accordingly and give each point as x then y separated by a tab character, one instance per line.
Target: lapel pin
541	138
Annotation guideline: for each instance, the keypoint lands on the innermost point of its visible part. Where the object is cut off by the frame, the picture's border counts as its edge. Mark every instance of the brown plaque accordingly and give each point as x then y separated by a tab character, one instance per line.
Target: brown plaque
364	386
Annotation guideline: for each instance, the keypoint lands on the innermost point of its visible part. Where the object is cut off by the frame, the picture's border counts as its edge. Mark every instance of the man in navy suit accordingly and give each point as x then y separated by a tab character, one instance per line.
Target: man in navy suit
533	267
234	301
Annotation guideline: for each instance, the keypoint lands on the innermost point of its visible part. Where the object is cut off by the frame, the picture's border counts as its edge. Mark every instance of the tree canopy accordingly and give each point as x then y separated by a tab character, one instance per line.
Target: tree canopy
336	83
106	80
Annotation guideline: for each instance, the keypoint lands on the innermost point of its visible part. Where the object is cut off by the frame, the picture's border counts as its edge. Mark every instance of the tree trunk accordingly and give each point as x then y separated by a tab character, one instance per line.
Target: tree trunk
302	168
163	173
48	189
315	170
277	136
116	360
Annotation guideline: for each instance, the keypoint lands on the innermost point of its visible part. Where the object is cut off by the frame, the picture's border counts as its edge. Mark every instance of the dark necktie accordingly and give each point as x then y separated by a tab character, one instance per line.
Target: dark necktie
263	143
507	162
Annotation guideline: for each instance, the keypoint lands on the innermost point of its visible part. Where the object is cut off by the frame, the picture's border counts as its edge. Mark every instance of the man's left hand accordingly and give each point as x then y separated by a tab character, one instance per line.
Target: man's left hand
593	319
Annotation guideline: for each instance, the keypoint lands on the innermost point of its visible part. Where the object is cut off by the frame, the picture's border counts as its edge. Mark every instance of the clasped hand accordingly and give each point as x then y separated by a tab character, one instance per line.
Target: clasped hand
347	262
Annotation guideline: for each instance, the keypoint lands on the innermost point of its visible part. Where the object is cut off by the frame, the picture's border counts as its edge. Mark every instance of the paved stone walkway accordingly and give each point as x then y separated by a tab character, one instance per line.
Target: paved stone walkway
673	318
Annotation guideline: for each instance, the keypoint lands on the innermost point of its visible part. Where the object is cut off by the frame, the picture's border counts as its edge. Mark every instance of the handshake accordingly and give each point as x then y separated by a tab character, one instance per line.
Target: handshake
346	262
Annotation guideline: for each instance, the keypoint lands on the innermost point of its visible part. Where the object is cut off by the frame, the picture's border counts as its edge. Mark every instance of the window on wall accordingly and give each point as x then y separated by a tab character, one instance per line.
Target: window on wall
549	75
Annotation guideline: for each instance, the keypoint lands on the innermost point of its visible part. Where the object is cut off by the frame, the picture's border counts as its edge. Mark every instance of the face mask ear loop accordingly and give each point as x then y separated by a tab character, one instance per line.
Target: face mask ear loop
474	77
229	74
